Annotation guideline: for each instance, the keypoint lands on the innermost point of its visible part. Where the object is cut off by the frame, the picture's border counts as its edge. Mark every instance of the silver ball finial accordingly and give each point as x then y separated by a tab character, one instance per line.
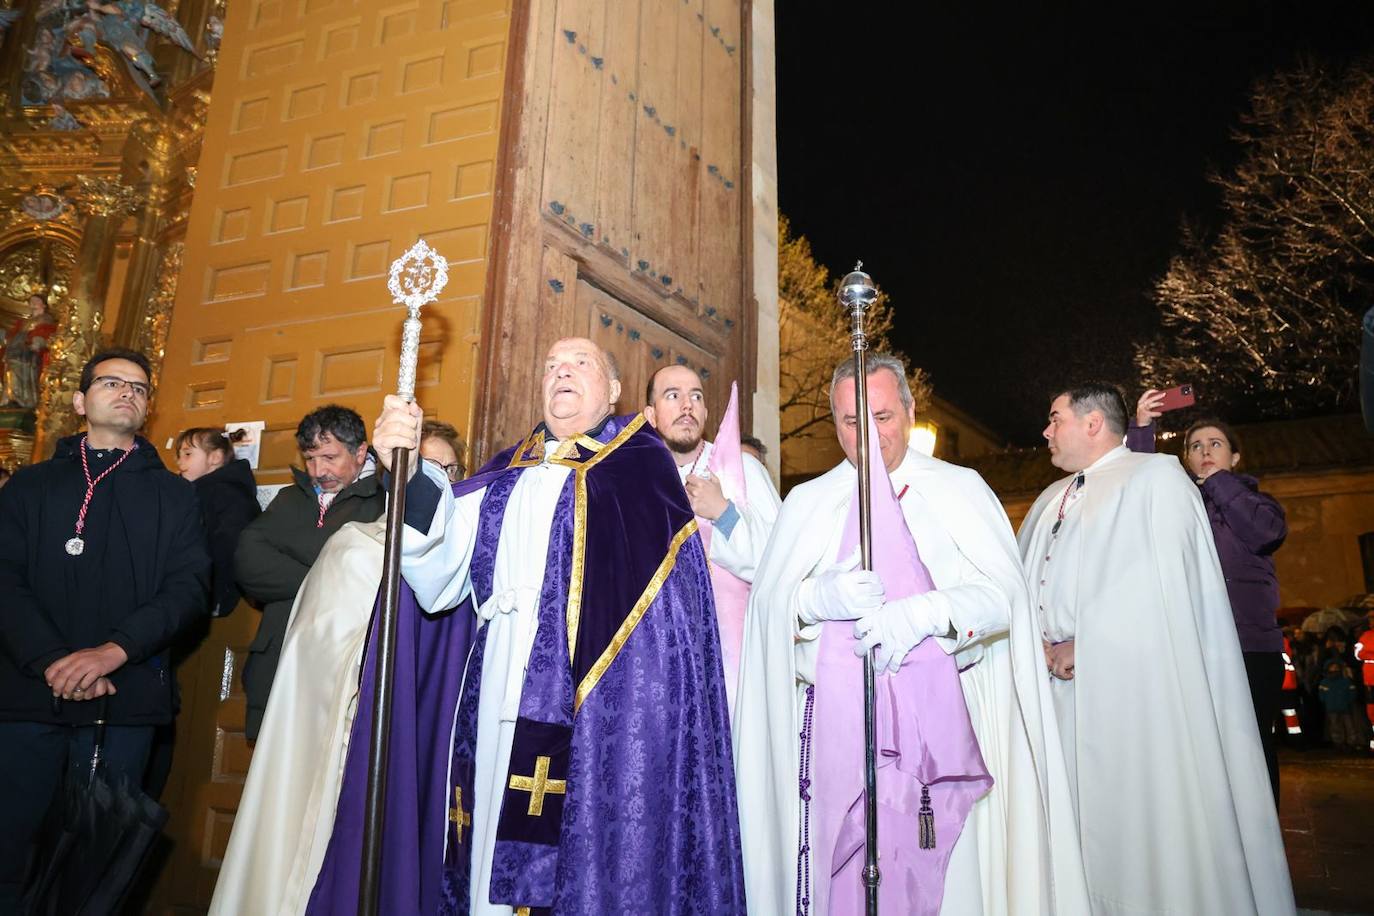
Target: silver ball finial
857	289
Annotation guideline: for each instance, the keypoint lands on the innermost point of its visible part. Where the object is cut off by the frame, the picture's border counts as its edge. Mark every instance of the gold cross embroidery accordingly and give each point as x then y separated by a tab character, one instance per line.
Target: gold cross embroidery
522	911
539	785
457	815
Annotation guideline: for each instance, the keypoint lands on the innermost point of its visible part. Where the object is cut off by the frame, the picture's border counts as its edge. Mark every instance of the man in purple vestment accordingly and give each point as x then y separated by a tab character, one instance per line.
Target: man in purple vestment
585	753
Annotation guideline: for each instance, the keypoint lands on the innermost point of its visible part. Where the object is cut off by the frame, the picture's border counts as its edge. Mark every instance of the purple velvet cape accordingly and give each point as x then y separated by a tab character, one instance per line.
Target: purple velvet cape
634	718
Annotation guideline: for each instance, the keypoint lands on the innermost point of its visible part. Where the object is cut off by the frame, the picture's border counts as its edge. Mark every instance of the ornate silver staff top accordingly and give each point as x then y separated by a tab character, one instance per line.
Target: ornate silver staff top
857	289
417	277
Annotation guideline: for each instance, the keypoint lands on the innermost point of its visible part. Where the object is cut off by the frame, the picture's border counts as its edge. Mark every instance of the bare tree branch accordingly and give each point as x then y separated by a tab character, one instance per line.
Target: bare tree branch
1264	315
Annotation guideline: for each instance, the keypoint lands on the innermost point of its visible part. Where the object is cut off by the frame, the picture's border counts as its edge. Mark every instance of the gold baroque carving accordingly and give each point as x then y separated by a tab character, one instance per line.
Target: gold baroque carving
99	196
157	318
73	344
23	272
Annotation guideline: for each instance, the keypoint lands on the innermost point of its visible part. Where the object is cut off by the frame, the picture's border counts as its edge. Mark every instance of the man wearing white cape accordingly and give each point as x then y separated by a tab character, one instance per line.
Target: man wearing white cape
1002	861
286	812
1173	800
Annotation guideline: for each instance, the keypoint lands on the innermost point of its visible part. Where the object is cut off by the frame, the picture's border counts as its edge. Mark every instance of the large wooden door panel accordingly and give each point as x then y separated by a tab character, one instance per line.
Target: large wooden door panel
626	173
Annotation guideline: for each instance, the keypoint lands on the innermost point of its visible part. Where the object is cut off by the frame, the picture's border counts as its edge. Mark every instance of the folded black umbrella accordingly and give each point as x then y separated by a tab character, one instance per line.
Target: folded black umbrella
93	842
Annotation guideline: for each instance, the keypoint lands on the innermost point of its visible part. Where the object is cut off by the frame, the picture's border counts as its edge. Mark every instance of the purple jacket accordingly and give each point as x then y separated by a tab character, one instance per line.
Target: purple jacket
1248	526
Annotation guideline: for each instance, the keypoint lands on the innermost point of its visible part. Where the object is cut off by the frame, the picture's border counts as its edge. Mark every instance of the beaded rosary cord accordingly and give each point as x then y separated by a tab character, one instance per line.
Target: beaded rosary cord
77	545
701	450
804	848
927	815
1076	483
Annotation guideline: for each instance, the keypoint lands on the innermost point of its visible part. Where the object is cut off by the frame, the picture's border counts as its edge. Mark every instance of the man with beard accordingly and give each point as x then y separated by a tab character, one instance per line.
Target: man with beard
734	505
339	484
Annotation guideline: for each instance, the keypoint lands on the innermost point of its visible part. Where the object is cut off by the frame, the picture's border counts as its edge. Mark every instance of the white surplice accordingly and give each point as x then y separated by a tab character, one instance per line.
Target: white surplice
286	813
1173	799
740	553
437	565
1002	862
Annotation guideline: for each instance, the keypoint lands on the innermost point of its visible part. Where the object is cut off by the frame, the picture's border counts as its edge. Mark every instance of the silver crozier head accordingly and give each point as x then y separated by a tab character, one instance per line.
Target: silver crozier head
857	289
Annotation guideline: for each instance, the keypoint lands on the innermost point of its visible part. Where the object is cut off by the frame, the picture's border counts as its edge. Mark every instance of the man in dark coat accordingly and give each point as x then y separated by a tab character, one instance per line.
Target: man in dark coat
339	484
102	566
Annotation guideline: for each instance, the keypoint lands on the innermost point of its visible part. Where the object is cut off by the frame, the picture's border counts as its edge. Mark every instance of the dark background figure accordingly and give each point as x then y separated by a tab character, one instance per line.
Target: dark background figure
754	446
441	445
228	496
102	567
339	484
1364	660
1247	526
1338	695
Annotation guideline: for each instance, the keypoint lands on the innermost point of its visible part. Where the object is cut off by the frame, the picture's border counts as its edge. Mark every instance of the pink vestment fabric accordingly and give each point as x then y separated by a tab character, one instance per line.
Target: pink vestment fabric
924	735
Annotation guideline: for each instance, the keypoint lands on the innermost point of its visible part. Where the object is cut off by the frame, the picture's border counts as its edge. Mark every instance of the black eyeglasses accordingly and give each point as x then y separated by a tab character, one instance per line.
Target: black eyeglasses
453	471
115	384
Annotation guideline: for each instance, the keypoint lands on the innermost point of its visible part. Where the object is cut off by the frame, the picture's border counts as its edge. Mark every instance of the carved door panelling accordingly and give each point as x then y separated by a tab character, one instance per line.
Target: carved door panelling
641	346
210	763
626	174
339	132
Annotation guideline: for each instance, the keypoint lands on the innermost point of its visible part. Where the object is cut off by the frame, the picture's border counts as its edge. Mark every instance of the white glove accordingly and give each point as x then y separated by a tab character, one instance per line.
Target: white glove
896	628
839	594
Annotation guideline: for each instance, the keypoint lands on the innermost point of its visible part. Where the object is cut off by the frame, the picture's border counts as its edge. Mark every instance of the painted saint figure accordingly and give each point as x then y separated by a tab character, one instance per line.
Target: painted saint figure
26	345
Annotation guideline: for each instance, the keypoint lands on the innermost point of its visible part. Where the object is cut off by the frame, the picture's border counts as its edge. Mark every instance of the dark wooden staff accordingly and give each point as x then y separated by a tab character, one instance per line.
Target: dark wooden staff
417	277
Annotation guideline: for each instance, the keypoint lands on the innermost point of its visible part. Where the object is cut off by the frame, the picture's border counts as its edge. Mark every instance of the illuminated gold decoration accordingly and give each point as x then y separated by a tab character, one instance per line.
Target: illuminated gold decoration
157	317
102	196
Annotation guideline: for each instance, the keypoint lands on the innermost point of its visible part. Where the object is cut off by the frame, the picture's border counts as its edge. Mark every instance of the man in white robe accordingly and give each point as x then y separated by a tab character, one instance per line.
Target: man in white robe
1001	862
440	541
1173	800
734	501
286	812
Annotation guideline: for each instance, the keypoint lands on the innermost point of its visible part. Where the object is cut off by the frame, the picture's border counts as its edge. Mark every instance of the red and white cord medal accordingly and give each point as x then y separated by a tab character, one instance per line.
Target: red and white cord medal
76	545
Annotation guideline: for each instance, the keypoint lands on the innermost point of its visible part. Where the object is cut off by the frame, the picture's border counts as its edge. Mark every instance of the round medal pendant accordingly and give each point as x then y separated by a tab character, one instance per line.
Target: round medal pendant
75	546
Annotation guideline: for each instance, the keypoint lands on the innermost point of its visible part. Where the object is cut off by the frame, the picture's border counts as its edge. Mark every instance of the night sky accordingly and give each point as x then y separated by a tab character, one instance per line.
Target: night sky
1016	180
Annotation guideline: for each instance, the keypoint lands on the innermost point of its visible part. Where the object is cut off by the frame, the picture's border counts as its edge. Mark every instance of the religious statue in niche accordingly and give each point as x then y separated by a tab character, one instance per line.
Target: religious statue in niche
26	354
62	63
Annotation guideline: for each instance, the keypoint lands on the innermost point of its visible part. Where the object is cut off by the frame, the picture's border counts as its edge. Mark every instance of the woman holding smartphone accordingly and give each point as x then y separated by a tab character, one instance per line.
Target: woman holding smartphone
1248	526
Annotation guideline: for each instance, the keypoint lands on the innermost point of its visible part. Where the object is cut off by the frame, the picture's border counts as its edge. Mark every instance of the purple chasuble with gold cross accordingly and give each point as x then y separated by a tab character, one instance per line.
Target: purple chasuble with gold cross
620	788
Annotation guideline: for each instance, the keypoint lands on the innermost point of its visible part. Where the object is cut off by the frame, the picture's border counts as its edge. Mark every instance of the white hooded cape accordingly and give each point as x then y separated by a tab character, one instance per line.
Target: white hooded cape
286	813
1175	809
1005	847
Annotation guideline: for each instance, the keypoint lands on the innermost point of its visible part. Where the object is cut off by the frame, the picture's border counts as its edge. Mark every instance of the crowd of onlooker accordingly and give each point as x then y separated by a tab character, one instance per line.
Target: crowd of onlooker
1335	685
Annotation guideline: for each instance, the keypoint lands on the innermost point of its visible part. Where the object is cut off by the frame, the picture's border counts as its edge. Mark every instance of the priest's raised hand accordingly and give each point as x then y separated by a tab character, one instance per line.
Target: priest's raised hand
398	426
566	717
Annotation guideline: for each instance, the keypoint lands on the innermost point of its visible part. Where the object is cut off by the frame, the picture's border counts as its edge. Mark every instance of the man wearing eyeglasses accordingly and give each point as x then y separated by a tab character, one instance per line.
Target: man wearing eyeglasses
442	447
102	566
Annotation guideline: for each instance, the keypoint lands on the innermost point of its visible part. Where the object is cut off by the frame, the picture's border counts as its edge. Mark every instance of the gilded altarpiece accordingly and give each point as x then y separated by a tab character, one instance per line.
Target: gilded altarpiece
101	115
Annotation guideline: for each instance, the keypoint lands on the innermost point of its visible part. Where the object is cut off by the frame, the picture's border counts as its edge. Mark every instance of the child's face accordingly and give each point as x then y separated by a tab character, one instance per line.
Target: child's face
1333	670
193	461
